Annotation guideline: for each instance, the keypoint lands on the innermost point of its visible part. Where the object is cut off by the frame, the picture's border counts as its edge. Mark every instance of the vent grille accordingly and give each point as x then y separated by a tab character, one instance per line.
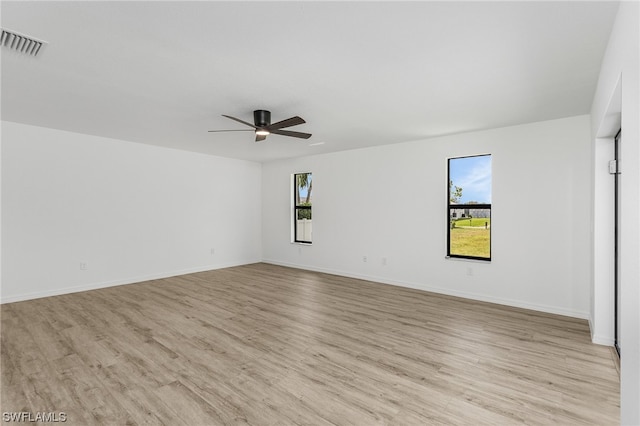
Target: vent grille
20	43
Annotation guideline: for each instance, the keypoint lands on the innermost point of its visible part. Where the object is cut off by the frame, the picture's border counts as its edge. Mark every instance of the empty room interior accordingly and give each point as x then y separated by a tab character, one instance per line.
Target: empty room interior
304	212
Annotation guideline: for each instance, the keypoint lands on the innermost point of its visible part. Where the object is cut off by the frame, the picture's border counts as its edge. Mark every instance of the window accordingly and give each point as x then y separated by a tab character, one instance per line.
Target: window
469	209
302	185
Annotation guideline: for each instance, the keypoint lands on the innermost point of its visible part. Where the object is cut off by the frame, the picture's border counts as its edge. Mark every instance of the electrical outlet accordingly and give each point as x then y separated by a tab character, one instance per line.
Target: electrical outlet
384	261
83	266
364	259
470	271
213	251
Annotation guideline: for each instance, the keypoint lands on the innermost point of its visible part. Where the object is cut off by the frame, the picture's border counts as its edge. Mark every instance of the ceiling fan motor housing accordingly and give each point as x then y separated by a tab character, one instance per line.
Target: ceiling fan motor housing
261	118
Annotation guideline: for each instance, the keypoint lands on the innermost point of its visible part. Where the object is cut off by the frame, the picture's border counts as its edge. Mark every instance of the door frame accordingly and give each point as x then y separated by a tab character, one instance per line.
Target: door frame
616	240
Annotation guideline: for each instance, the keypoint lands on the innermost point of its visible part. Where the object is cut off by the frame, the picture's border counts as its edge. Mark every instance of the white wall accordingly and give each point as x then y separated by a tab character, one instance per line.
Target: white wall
602	306
398	194
129	211
621	65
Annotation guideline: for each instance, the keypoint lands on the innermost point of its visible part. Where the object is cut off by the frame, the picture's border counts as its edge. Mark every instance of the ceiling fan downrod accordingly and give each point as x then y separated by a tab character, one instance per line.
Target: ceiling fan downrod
261	118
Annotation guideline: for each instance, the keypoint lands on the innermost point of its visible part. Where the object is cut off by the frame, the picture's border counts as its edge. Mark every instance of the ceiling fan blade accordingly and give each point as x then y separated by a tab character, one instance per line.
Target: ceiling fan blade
293	121
242	130
240	121
260	138
290	133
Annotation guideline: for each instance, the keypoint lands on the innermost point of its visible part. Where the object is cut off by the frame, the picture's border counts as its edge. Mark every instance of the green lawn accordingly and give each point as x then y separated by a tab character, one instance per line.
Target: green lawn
476	221
471	241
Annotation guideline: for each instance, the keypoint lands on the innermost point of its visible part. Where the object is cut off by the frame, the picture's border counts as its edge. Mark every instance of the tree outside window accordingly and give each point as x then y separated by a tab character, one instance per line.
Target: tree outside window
302	223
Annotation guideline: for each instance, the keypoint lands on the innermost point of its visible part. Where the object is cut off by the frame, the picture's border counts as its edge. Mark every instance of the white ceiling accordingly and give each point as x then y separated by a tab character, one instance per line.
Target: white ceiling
360	73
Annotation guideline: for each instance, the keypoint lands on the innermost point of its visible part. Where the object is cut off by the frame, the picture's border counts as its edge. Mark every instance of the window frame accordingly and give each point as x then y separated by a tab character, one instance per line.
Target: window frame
476	206
297	207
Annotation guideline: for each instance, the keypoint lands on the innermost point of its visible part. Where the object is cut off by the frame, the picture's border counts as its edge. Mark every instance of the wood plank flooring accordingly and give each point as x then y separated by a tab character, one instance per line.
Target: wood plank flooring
266	345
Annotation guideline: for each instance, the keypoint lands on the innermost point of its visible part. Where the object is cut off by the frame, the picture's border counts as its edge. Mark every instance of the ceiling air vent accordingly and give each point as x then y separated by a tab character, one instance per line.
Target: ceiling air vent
20	43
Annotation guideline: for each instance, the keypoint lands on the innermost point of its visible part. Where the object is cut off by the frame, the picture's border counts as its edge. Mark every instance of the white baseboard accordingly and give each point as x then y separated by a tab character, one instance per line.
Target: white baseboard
124	281
602	340
417	286
440	290
599	339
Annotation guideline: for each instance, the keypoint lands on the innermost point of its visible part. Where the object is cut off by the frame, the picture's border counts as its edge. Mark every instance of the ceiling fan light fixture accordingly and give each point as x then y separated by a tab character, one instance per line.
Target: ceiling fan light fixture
262	132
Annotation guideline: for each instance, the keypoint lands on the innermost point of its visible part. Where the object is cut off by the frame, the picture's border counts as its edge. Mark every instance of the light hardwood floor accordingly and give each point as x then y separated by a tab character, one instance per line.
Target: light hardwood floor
266	345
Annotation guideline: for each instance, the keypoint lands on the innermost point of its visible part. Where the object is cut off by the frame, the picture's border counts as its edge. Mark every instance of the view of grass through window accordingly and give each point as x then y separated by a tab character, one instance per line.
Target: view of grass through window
469	212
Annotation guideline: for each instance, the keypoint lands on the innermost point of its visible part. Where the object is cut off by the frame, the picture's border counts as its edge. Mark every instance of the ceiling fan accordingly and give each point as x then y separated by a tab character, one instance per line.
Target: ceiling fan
263	126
